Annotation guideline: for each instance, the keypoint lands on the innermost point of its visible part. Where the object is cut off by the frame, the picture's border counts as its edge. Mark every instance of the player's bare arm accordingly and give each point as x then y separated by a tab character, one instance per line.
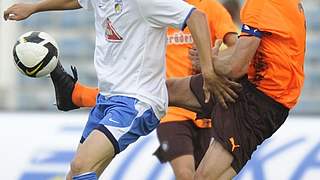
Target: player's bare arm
198	25
236	65
185	97
229	40
22	11
219	87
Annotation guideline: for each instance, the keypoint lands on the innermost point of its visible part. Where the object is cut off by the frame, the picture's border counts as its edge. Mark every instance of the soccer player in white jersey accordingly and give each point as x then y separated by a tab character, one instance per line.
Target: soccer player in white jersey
130	65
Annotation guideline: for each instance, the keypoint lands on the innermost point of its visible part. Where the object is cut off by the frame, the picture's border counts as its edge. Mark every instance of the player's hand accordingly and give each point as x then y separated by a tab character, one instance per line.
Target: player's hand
19	11
195	60
216	48
223	89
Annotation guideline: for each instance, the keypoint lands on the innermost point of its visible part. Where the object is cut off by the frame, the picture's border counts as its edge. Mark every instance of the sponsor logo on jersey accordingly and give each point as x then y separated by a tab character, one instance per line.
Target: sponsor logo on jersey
111	34
233	144
179	38
118	6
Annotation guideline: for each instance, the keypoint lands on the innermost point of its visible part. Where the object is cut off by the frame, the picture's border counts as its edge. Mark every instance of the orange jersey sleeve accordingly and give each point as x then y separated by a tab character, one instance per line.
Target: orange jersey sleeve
277	67
179	43
219	19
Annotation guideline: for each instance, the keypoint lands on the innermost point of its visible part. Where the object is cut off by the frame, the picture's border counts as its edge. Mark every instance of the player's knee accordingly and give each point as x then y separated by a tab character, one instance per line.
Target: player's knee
69	177
79	165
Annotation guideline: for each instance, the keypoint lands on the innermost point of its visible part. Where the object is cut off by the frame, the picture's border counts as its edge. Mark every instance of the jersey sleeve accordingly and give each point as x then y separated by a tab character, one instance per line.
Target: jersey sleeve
164	13
86	4
220	20
257	18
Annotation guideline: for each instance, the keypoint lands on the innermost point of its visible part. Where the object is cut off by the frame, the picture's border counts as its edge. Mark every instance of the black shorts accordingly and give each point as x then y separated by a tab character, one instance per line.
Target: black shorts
245	124
182	138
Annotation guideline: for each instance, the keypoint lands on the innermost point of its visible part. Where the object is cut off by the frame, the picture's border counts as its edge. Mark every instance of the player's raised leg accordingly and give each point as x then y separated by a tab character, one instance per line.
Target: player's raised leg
70	94
184	97
64	85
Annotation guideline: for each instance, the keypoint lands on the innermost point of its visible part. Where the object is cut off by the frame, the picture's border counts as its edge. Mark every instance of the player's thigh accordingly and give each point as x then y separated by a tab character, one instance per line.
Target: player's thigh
100	167
180	94
214	163
95	152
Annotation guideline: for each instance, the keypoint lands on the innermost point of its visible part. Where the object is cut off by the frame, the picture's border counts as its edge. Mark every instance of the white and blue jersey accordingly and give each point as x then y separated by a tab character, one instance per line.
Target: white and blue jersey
130	55
131	45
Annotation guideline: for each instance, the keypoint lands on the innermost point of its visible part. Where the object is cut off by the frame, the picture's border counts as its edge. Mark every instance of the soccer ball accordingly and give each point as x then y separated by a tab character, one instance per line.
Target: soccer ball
35	54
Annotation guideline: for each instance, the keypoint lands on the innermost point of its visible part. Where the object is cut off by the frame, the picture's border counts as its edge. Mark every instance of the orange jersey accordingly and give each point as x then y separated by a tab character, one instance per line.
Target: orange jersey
277	68
179	42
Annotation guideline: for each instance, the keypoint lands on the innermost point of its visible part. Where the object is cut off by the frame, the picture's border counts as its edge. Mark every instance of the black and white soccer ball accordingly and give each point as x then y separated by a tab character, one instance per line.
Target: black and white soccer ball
35	54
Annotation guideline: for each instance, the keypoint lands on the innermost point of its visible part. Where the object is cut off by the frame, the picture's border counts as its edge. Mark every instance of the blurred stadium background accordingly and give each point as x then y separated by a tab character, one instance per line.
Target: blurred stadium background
37	141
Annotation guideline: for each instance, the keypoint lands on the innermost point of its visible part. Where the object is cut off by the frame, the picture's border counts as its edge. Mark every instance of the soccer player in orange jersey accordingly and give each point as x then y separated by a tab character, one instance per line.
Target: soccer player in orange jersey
268	62
184	138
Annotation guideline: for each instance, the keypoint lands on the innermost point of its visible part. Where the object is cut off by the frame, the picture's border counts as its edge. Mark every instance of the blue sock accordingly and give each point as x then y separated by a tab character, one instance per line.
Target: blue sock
86	176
